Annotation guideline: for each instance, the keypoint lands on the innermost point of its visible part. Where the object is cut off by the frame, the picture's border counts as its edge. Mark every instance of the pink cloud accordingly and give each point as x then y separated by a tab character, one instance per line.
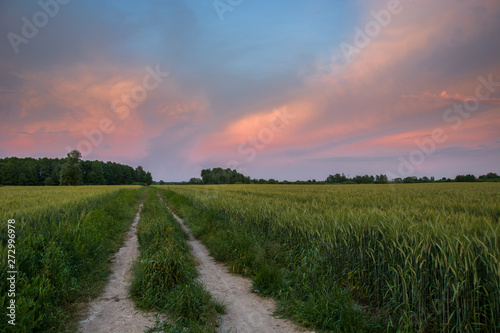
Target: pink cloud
378	105
383	86
81	100
270	128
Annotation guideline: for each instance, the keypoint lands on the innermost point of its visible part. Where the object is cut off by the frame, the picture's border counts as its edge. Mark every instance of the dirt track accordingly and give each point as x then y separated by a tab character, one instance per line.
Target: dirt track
115	311
246	312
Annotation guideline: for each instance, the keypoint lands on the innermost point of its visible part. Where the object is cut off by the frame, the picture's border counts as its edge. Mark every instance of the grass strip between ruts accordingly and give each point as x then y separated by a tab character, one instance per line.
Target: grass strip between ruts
164	277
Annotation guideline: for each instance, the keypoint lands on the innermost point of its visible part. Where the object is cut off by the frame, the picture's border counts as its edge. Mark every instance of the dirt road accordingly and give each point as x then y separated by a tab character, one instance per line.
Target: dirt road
246	311
115	311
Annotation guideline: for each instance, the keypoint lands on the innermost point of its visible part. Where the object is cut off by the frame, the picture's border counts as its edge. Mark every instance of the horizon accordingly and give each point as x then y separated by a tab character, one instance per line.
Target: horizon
319	180
283	90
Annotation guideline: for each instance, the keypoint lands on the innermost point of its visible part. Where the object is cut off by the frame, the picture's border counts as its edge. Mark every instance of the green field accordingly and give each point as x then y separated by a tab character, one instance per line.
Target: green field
341	258
64	237
23	200
410	257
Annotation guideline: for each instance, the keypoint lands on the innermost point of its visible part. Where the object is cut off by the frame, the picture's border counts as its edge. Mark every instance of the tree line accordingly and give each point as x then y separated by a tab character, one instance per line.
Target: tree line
69	171
228	176
489	177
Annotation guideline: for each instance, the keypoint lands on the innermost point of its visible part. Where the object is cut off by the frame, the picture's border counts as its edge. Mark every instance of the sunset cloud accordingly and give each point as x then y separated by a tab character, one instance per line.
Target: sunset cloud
229	81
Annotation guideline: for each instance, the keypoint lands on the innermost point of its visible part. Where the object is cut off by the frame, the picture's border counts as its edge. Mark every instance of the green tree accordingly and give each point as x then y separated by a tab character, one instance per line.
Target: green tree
410	180
46	167
47	171
148	179
195	180
223	176
140	174
338	178
96	175
10	175
466	178
381	179
490	177
86	167
71	173
23	180
206	176
56	172
127	174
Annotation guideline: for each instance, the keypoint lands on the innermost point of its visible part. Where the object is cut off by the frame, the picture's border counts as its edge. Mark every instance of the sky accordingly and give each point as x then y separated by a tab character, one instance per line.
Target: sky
290	90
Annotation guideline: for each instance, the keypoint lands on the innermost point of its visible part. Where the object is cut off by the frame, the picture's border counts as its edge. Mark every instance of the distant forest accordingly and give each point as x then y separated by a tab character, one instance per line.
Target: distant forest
69	171
228	176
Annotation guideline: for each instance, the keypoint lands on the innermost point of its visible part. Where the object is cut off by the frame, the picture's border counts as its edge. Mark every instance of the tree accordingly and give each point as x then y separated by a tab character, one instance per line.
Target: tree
74	156
381	179
22	179
410	180
55	175
338	178
127	174
206	176
148	179
140	175
491	176
86	167
28	167
71	173
424	179
96	175
466	178
195	181
112	177
48	171
223	176
46	167
10	172
366	179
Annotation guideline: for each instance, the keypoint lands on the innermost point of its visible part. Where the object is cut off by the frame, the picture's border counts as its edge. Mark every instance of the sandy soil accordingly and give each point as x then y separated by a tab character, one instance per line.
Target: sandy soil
246	312
114	311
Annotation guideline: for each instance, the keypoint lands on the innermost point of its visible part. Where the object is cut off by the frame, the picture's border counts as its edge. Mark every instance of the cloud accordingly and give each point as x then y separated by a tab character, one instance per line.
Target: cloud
74	106
379	104
227	79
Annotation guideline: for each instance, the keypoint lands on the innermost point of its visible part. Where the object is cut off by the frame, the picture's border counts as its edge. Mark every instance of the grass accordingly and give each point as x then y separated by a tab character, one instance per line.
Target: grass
400	258
165	274
62	253
406	258
23	200
254	253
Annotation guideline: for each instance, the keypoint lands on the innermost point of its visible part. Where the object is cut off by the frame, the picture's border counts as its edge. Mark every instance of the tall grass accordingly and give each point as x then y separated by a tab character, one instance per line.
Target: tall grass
416	257
62	250
165	274
24	199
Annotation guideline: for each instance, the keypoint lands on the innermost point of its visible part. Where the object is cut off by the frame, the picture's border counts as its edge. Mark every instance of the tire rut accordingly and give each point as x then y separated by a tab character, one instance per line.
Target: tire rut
245	311
114	311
